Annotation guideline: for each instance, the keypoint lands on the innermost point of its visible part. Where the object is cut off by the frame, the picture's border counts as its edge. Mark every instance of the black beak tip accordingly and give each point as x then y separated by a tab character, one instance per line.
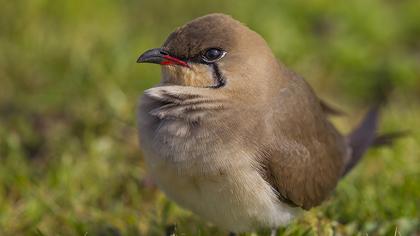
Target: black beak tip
160	56
151	56
139	60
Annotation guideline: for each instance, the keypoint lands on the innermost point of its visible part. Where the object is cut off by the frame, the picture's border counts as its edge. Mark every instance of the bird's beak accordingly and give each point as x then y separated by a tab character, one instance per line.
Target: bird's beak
160	56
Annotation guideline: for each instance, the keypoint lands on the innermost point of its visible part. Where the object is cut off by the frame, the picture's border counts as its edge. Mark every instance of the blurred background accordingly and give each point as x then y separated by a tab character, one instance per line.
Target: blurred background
69	85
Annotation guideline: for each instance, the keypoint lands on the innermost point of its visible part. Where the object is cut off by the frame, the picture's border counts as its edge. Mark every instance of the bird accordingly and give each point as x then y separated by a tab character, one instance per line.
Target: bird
236	137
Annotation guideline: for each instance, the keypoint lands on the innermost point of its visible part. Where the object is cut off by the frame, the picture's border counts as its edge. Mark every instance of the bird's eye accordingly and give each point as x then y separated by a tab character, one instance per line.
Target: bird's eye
213	54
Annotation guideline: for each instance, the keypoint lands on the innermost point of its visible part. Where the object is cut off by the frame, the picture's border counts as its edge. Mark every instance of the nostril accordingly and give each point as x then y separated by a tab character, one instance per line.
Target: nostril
164	53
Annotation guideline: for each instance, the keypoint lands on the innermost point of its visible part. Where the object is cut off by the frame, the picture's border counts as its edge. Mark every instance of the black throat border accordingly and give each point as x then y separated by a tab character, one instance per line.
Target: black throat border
220	80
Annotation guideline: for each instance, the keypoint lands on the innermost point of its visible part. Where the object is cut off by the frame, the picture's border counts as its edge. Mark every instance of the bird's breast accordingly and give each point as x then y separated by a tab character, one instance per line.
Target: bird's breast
177	134
207	166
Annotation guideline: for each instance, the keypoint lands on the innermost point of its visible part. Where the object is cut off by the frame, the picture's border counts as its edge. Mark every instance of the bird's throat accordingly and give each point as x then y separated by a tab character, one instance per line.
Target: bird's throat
198	75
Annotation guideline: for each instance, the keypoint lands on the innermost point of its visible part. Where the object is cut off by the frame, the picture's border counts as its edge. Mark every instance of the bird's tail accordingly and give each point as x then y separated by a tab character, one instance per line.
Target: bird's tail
365	136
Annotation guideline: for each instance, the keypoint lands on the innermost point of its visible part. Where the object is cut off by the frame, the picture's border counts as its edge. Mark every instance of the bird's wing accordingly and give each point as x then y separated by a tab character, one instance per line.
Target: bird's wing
305	158
301	177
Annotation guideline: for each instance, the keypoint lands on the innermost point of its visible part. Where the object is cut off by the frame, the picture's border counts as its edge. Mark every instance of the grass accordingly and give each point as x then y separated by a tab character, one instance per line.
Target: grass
69	159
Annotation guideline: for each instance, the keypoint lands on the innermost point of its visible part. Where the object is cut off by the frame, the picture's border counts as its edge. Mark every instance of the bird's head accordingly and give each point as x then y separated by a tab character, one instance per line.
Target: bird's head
214	51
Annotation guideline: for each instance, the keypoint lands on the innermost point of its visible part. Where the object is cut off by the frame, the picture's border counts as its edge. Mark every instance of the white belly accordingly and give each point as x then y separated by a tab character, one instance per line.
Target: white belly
216	179
235	199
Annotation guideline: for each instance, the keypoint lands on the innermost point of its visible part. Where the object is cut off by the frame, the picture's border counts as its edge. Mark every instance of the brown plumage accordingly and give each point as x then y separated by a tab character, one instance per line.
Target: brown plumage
306	160
233	135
